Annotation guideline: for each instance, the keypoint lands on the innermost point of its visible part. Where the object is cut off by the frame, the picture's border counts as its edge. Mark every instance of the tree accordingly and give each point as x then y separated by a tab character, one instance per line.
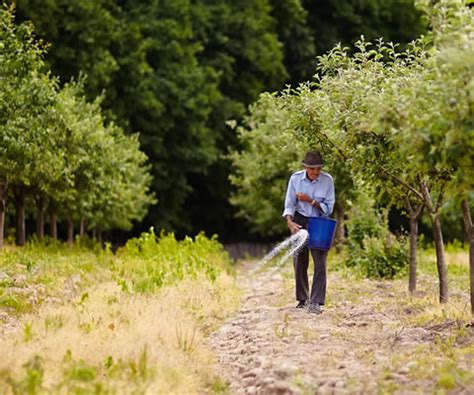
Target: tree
272	149
144	56
358	107
371	110
27	96
175	71
108	183
450	116
299	52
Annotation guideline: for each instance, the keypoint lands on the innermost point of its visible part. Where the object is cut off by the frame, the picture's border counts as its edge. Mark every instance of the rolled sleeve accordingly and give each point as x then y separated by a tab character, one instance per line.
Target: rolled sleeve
290	199
328	204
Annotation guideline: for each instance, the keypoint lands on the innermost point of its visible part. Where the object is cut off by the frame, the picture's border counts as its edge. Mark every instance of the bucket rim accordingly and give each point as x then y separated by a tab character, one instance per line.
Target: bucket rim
322	219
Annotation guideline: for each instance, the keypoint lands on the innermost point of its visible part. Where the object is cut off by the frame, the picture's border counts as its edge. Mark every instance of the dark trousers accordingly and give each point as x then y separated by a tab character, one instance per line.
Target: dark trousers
301	263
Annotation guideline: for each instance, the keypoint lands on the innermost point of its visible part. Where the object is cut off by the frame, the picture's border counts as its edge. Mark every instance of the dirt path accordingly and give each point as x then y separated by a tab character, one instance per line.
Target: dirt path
360	344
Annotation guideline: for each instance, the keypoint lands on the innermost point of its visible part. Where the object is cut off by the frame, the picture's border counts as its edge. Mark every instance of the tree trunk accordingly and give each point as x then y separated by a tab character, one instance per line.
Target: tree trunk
99	236
469	229
70	231
340	236
413	251
414	216
2	220
82	227
3	194
440	260
438	237
19	194
53	224
40	219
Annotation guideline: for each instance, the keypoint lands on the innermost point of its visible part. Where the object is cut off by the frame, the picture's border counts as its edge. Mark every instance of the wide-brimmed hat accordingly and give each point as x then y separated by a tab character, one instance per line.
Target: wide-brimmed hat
313	159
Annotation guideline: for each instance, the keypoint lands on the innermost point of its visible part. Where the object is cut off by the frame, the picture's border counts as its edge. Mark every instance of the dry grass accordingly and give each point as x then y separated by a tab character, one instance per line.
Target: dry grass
110	341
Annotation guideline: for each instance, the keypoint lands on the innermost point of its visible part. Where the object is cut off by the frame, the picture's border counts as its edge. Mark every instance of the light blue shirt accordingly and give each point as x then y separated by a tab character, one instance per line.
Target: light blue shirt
321	190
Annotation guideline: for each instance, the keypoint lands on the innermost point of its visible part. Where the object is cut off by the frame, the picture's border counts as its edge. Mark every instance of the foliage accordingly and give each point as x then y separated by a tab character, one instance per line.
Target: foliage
150	262
372	249
262	168
160	65
391	117
40	270
36	272
451	82
26	99
297	38
344	21
272	148
56	146
175	71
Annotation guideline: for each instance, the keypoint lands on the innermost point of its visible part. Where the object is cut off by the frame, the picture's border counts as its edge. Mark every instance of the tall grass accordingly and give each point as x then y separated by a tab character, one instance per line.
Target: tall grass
134	322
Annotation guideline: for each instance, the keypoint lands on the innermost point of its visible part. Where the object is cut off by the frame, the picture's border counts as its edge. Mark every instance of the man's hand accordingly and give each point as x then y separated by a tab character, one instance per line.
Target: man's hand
303	197
293	226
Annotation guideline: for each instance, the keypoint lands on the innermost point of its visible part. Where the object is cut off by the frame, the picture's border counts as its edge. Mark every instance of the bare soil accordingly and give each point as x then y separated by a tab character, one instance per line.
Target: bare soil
367	340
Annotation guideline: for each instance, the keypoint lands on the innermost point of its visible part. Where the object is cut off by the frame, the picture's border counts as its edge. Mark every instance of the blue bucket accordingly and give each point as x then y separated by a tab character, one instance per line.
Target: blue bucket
321	233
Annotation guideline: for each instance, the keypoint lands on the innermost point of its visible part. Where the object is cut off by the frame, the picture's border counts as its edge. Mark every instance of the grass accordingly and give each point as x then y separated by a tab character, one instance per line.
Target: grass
101	323
88	321
445	362
140	342
417	344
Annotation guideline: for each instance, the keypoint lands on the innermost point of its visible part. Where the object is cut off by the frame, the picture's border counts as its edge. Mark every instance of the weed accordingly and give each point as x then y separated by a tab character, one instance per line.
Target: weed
143	364
16	303
28	332
33	380
282	330
446	381
107	362
186	341
84	297
53	323
80	371
219	386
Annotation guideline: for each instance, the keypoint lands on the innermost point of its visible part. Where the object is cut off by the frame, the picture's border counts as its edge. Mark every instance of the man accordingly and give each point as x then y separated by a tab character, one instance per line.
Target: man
310	193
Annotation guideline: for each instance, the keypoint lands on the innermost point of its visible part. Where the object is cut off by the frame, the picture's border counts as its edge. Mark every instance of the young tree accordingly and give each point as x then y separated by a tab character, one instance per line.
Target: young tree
108	182
27	96
361	114
272	149
450	115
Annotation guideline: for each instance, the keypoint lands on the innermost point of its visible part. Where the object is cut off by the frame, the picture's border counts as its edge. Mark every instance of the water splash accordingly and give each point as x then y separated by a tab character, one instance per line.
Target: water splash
294	243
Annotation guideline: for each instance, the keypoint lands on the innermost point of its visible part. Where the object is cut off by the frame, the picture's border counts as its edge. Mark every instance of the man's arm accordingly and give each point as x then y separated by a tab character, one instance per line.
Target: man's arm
328	204
290	199
290	207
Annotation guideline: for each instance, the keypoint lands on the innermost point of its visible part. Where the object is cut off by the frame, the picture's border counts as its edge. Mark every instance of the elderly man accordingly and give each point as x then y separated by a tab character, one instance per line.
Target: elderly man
310	193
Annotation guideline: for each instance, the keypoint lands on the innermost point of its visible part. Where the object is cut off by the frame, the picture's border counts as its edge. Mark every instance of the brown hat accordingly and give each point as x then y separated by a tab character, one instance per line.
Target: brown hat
313	159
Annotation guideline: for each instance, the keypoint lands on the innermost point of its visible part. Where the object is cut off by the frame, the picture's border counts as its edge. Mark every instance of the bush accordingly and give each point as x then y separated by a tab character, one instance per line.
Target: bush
379	258
372	248
152	261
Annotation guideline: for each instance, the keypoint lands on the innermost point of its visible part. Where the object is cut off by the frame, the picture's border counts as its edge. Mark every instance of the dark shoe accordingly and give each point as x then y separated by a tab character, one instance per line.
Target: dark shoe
302	304
315	308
